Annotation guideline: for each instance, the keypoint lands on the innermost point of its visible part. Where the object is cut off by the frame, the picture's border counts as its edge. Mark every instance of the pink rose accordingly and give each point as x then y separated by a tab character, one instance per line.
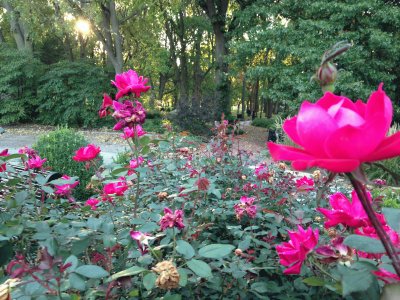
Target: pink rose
116	188
129	132
337	134
305	184
35	162
65	189
107	102
87	153
92	202
172	219
130	82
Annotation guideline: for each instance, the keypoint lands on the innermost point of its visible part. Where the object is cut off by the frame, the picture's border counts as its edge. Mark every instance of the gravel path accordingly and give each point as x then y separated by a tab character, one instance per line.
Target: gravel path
110	142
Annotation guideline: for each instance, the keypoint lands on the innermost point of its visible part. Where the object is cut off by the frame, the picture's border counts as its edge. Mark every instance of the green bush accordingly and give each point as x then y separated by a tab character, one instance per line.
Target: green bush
18	83
154	125
264	123
153	114
71	94
59	147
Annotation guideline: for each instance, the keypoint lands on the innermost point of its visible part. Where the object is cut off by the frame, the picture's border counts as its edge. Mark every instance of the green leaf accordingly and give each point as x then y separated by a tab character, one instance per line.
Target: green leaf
77	282
149	281
260	287
392	216
183	278
21	196
91	271
216	250
128	272
185	249
354	281
364	243
314	281
94	223
74	262
200	268
12	156
173	297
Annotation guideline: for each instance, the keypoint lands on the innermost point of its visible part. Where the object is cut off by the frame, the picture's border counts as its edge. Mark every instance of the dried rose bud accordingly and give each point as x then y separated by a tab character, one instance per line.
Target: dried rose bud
203	184
168	275
244	177
331	232
318	219
162	195
238	252
282	166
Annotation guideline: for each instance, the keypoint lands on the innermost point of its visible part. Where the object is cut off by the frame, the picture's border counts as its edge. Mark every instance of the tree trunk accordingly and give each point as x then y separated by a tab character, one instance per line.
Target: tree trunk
216	11
117	37
197	73
243	98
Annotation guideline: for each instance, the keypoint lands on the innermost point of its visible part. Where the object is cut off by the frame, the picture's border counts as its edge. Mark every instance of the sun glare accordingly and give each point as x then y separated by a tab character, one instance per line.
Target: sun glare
82	26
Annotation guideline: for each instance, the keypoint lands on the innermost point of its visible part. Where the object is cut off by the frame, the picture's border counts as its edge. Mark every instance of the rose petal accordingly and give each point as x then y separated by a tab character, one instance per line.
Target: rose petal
290	128
334	165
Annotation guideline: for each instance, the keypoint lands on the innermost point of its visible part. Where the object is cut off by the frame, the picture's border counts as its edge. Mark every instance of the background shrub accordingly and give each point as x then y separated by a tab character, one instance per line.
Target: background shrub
71	93
59	147
264	123
19	72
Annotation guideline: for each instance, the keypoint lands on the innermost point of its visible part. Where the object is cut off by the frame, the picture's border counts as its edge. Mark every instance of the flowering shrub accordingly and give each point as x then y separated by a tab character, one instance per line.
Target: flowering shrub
184	220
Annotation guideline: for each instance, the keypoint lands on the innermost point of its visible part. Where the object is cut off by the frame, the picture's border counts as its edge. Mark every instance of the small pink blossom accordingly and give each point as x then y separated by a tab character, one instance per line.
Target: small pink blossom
107	102
292	254
136	131
65	189
116	188
172	219
87	153
262	172
135	163
92	202
130	82
35	162
4	153
245	206
380	182
305	184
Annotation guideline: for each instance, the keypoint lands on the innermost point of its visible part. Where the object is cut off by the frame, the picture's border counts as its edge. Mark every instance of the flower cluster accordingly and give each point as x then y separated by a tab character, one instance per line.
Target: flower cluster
34	160
305	184
292	254
246	206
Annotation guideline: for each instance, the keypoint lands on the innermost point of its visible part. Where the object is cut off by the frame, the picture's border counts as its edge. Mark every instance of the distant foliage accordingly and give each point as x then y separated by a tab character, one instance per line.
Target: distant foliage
18	82
264	123
59	147
71	94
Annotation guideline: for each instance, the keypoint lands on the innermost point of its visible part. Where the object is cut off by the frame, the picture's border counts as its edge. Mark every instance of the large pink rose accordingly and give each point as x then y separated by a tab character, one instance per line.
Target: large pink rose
338	134
130	82
87	153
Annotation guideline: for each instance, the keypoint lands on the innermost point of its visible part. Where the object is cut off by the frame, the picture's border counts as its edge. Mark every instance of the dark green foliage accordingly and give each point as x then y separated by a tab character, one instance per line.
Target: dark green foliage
264	123
153	114
153	125
19	72
71	94
59	147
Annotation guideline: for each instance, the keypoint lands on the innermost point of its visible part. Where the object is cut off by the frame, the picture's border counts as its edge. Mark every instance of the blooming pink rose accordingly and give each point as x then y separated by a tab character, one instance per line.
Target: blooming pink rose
262	172
35	162
305	184
344	212
87	153
92	202
293	253
338	134
245	206
107	102
386	276
129	132
65	189
116	188
172	219
130	82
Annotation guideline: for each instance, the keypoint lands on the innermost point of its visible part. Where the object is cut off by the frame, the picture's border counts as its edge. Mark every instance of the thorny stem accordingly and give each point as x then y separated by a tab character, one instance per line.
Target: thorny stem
383	236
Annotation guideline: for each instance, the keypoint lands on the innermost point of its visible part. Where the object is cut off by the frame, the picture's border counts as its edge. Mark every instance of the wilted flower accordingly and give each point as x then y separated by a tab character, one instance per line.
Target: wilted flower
87	153
305	184
245	206
132	132
262	172
293	253
107	102
162	195
130	82
142	240
168	275
249	187
331	133
172	219
317	175
336	250
128	114
92	202
203	184
28	151
35	162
